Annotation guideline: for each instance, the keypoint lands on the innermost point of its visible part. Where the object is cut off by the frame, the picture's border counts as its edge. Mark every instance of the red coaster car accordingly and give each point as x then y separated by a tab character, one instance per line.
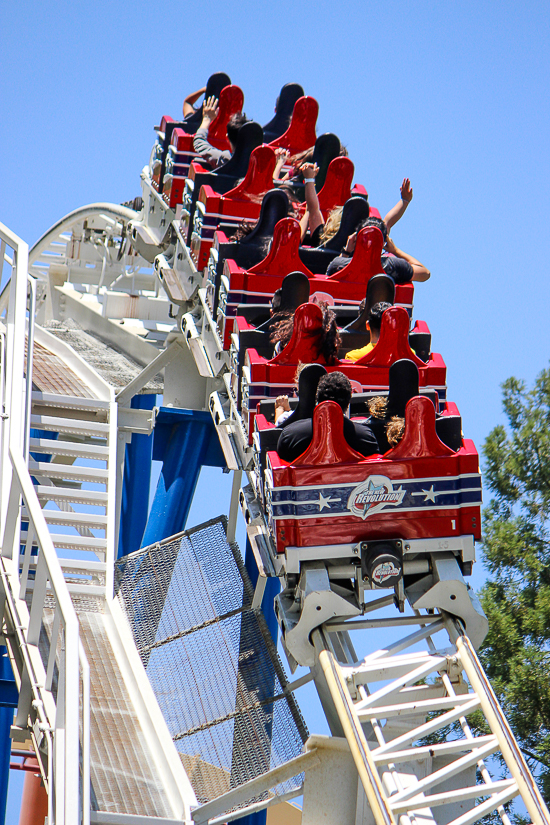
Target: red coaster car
258	284
268	378
419	489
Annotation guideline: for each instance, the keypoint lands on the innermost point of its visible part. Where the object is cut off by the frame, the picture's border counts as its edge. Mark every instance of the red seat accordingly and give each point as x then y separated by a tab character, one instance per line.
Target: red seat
300	134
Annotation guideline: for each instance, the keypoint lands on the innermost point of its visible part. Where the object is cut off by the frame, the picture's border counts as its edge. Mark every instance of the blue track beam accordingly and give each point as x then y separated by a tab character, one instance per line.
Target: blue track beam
136	485
185	441
8	701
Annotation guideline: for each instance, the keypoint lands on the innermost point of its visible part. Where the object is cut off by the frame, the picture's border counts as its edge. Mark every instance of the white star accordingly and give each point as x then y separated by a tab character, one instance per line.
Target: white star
325	502
429	494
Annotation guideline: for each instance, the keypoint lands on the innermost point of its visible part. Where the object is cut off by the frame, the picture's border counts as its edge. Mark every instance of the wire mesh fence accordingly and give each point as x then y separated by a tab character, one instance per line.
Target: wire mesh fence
210	659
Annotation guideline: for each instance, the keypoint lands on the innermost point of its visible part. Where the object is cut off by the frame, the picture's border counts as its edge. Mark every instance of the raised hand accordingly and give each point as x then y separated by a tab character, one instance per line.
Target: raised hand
309	170
406	191
210	109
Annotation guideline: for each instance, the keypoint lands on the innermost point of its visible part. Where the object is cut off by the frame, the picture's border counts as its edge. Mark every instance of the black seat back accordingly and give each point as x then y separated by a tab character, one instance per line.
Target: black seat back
275	205
356	209
380	288
327	147
216	82
403	386
307	390
253	247
225	177
449	430
249	136
278	124
294	292
421	343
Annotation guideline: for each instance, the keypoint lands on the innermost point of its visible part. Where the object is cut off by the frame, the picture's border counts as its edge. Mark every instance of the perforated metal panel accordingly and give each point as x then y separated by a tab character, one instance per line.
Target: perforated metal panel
115	367
123	777
211	662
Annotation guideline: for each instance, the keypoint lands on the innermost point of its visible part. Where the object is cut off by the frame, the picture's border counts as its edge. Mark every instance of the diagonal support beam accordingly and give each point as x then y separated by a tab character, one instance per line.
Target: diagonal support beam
158	363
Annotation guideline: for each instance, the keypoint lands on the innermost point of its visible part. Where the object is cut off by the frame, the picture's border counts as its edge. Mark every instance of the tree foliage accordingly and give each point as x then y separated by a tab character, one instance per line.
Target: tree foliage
516	543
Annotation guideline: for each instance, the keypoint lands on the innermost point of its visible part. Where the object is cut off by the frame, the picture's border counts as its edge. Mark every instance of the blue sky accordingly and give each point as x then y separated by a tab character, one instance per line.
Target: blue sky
452	95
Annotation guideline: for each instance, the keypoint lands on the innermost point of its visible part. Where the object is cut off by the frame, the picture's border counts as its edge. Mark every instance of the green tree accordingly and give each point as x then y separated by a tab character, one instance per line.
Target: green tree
516	545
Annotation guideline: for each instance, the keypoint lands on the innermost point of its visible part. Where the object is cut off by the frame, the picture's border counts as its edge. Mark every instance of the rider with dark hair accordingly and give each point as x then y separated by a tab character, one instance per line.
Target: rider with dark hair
214	156
234	126
401	266
296	437
329	342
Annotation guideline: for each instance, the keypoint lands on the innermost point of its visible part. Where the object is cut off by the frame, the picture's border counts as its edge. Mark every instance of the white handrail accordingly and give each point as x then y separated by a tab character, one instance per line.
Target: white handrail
30	356
12	425
63	717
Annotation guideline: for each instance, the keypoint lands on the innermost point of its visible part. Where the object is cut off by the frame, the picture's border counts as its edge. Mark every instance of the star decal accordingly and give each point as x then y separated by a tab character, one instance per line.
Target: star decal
326	502
429	495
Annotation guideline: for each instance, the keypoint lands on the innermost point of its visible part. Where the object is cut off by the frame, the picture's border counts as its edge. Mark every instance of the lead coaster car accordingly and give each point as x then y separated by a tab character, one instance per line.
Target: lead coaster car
421	489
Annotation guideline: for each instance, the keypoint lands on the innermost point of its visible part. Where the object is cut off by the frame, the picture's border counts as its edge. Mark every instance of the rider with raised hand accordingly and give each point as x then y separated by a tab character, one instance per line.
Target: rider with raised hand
397	212
188	108
313	217
214	156
282	155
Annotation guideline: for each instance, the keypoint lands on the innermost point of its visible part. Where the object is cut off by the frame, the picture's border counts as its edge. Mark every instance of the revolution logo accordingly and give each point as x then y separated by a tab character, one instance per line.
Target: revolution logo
374	495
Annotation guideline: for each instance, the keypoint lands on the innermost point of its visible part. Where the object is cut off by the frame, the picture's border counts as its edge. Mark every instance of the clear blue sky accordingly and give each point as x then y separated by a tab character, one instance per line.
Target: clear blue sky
452	95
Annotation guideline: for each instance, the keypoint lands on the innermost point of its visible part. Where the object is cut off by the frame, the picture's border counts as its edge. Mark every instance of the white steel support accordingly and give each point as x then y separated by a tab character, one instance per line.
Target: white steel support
111	531
12	423
388	703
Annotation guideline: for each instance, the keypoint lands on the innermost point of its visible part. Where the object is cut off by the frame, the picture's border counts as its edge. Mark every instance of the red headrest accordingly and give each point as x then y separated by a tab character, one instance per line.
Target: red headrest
337	186
283	256
259	175
366	260
393	343
305	343
231	101
420	439
300	134
328	445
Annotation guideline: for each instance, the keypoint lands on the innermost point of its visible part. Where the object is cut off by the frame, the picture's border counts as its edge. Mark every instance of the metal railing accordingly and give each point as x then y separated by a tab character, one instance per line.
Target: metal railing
42	631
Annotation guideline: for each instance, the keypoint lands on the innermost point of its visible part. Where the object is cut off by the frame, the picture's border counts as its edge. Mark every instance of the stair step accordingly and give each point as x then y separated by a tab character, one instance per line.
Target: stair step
90	520
76	566
69	402
72	426
52	493
69	472
65	542
84	588
52	446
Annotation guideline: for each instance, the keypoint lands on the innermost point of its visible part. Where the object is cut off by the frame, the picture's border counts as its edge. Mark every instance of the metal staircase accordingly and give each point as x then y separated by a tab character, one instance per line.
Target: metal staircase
103	747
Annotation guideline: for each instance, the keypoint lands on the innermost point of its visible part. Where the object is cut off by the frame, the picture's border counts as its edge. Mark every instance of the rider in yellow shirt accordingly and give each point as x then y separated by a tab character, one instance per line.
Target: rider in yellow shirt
373	326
